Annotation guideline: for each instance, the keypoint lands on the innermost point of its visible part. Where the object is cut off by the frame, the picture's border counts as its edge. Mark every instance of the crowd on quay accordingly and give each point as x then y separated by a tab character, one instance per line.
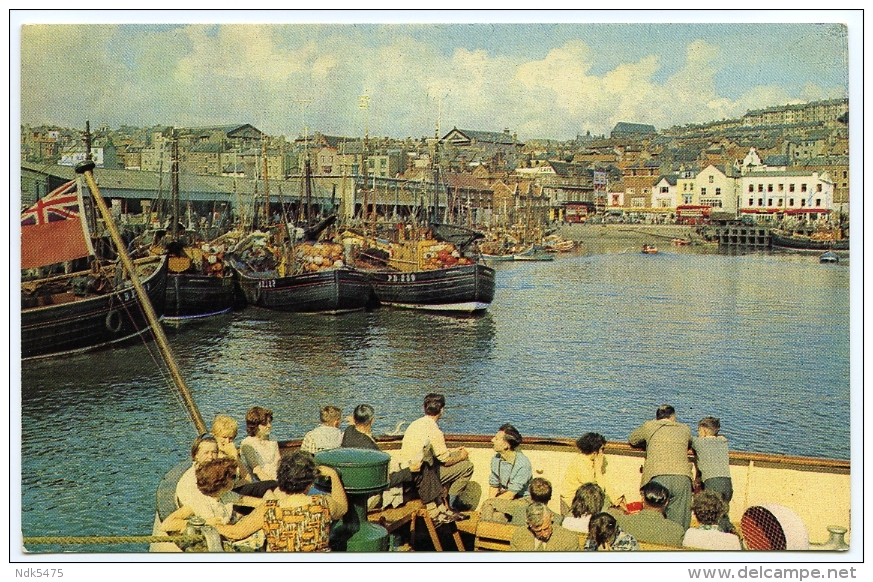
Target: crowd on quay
258	499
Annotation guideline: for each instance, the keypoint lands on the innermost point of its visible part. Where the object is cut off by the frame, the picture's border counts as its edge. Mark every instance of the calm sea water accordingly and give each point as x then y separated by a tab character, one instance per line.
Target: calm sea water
590	342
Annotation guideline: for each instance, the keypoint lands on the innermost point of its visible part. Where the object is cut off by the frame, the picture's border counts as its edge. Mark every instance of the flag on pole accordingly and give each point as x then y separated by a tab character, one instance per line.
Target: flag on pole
54	229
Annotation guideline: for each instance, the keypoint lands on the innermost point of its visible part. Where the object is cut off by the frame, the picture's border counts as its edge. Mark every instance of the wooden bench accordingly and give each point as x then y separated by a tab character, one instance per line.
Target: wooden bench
492	536
394	518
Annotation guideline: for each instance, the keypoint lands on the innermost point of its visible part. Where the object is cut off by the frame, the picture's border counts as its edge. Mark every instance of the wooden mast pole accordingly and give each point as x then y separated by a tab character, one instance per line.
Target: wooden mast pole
86	168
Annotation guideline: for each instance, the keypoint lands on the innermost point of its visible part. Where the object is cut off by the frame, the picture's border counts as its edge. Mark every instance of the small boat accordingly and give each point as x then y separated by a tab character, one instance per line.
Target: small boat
555	244
535	256
829	257
649	250
680	242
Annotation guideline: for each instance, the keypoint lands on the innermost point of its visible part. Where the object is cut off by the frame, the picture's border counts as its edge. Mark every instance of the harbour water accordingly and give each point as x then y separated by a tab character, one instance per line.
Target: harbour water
594	341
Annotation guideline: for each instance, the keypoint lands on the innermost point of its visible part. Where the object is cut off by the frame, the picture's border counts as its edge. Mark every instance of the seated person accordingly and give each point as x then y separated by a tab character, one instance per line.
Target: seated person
292	520
225	429
650	525
604	534
203	450
260	455
424	477
511	473
541	535
327	435
589	500
539	491
709	507
588	466
214	500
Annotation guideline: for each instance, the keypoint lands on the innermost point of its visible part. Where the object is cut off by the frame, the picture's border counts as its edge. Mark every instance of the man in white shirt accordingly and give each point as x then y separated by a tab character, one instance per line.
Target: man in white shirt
453	465
327	435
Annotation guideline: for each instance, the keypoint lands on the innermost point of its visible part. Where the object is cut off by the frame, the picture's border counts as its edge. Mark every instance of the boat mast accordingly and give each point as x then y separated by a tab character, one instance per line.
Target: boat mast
174	184
266	185
86	169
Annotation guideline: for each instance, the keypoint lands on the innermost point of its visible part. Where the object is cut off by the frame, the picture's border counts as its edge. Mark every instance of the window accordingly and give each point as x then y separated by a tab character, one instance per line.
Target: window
664	189
711	179
751	201
718	191
791	187
802	202
769	187
818	202
779	202
760	187
687	198
751	187
703	191
791	202
803	187
781	187
769	202
760	202
818	187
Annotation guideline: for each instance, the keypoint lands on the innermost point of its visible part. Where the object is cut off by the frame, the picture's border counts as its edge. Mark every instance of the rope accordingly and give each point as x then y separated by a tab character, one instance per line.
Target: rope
44	540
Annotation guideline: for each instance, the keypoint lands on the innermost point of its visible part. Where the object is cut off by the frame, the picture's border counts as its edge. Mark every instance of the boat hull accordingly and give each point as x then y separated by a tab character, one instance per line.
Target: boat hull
806	243
330	291
462	288
72	324
192	296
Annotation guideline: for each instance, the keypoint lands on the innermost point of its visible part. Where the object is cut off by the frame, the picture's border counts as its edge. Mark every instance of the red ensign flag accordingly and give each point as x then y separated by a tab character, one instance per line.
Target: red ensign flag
52	230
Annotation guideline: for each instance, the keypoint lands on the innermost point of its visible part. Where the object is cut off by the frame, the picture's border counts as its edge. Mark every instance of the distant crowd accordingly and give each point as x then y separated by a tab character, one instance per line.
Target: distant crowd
258	499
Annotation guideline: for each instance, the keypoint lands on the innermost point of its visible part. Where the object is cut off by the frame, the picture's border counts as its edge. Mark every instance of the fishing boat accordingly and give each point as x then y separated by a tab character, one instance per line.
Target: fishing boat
281	272
87	310
310	277
556	244
649	250
82	310
817	241
680	242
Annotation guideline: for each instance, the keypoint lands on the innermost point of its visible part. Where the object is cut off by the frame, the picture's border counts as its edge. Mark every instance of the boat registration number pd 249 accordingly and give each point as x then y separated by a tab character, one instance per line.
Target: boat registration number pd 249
401	278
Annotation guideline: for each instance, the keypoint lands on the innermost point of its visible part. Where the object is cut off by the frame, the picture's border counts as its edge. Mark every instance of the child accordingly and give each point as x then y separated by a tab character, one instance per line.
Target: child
711	450
604	534
225	429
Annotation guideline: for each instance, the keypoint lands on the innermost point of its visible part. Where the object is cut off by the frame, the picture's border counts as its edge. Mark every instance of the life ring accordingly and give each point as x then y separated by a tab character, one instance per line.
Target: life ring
113	321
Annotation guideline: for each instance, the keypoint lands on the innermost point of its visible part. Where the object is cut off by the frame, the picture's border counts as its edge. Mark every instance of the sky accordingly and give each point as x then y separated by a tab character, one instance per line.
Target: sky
540	80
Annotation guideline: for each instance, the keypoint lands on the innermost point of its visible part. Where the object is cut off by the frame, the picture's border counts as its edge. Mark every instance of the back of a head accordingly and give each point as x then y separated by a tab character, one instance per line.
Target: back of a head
297	472
536	514
709	507
540	490
590	442
655	494
588	500
512	436
711	424
213	476
602	528
256	416
225	426
434	403
330	414
665	411
363	414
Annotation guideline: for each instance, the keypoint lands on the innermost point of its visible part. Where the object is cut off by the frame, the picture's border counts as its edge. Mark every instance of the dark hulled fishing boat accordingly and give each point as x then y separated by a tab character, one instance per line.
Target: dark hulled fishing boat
827	241
83	311
333	290
461	288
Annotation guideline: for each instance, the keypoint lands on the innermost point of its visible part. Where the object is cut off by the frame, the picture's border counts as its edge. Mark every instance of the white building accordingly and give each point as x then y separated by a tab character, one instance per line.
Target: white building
717	188
665	194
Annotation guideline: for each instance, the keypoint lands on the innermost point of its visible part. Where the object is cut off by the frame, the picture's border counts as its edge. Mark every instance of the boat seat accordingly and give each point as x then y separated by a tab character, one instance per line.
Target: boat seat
493	536
166	494
393	518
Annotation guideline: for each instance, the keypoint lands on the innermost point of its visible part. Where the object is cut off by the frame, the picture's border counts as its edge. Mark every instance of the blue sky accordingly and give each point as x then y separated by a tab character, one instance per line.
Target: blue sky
538	79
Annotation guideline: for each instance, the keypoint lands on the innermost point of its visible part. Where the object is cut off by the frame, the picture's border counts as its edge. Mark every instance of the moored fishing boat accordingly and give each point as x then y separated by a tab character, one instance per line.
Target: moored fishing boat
822	241
87	310
649	250
556	244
